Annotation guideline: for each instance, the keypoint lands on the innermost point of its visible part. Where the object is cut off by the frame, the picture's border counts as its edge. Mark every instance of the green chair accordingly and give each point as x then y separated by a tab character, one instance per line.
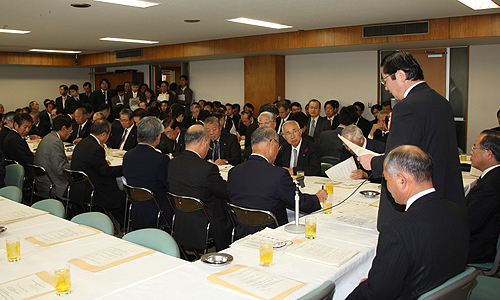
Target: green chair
456	288
485	288
323	292
12	192
490	268
14	175
53	206
324	168
154	239
95	220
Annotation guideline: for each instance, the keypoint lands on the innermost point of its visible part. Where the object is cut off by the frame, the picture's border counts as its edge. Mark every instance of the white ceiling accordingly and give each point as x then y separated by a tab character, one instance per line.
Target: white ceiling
54	24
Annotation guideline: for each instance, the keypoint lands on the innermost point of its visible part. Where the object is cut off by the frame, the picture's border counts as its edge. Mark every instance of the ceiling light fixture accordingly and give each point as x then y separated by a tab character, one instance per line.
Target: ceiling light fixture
128	40
259	23
55	51
479	4
134	3
3	30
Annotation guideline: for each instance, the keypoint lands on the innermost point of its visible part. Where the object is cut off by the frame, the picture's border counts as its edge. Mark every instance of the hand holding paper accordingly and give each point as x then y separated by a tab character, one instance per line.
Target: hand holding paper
359	151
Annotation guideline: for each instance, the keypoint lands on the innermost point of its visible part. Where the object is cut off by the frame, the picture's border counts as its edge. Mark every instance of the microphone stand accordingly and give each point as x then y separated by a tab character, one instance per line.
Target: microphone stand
296	228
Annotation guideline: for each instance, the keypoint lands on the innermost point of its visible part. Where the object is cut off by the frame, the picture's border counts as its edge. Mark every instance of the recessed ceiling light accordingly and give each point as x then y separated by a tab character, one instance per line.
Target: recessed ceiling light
3	30
134	3
192	21
479	4
128	40
55	51
80	5
259	23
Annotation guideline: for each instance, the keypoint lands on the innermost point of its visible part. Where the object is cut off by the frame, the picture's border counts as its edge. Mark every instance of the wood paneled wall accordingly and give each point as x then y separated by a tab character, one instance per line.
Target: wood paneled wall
37	59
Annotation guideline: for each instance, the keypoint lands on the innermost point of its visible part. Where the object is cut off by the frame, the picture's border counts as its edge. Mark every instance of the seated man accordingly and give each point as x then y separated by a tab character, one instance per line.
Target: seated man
89	156
145	167
380	131
224	147
81	128
50	155
38	128
483	200
329	142
424	246
172	139
355	135
258	184
8	126
298	154
125	136
15	146
192	176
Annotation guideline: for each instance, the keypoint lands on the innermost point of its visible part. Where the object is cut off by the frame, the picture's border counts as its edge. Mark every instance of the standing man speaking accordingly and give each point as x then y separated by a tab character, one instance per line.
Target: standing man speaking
422	118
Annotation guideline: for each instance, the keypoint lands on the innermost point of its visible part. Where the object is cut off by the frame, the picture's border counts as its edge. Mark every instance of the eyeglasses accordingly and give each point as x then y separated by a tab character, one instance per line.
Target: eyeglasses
477	148
383	80
265	123
279	148
290	133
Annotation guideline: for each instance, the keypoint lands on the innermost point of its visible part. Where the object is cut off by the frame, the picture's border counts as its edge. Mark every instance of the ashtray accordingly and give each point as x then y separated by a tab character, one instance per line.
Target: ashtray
217	259
370	194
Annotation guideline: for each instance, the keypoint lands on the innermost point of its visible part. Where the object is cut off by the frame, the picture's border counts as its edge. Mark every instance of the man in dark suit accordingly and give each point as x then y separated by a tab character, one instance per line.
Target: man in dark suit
483	199
89	156
232	119
81	128
380	131
87	87
145	167
125	136
224	147
134	93
298	154
329	142
103	95
284	115
257	184
362	123
15	146
190	175
332	108
172	140
8	126
184	93
423	247
247	126
413	123
76	99
316	124
38	128
63	91
46	115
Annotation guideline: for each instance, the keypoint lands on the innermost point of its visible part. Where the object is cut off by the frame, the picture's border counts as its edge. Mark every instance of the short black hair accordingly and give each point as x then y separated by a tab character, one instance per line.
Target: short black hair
64	86
376	106
170	122
283	104
388	102
491	141
120	88
61	121
333	103
270	108
250	105
140	112
177	110
296	104
104	106
348	115
208	103
135	82
87	84
401	60
19	119
184	76
301	118
73	87
104	80
359	104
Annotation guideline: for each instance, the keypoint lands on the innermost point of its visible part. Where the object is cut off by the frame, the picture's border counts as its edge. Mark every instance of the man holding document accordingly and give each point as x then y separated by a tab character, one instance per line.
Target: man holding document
414	257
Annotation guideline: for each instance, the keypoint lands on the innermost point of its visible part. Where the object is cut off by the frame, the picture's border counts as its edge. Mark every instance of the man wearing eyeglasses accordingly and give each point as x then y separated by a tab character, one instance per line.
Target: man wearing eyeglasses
483	199
172	139
298	154
224	147
124	137
413	123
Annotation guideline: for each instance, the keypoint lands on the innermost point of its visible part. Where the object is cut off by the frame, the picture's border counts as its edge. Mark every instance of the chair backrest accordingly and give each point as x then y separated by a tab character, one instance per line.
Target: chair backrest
53	206
10	162
324	168
323	292
155	239
39	171
142	194
188	204
14	175
12	192
253	217
77	177
455	288
95	220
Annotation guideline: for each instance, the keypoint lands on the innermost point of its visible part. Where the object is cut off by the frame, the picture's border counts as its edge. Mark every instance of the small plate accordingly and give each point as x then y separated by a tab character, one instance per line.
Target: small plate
370	194
2	229
217	259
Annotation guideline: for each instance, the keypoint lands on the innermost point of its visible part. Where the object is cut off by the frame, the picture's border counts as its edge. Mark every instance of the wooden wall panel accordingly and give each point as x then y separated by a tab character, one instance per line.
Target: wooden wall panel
475	26
353	35
199	48
36	59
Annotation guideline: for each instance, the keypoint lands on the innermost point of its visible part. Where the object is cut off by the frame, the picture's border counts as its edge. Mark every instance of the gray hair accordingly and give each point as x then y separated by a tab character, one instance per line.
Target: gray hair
196	134
9	117
384	112
264	134
292	122
491	141
411	160
269	114
353	132
100	114
100	126
148	130
128	112
195	105
212	120
35	114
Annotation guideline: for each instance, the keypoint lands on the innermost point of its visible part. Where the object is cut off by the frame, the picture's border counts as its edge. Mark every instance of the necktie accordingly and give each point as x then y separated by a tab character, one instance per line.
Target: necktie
280	131
175	146
312	127
331	121
123	138
79	130
216	150
105	96
293	163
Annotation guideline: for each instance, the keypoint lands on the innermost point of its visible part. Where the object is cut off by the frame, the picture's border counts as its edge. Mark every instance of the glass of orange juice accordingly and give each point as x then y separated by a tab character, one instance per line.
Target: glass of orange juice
329	187
13	248
266	254
62	277
311	227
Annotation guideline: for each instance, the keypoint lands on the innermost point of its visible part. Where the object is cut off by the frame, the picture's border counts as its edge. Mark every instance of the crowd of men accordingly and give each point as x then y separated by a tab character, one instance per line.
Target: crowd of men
418	168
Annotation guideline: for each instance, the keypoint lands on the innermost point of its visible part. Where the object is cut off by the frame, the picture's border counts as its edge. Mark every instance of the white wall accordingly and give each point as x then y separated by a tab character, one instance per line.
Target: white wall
221	80
483	90
346	77
22	84
140	69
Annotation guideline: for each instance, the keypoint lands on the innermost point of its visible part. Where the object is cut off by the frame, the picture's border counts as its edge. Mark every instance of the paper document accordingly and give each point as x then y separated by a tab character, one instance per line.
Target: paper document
475	172
225	168
163	97
342	171
255	282
322	253
111	256
20	215
357	149
267	235
63	235
28	287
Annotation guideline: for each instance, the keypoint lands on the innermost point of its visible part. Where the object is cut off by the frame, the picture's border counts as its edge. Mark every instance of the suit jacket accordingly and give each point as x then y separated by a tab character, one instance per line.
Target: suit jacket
335	123
60	102
116	100
83	134
129	95
257	184
97	98
2	169
90	158
129	143
71	101
145	167
496	128
45	116
191	176
166	145
188	98
379	136
230	149
433	130
278	123
3	134
483	211
329	142
41	129
50	155
412	256
322	124
364	125
16	148
309	159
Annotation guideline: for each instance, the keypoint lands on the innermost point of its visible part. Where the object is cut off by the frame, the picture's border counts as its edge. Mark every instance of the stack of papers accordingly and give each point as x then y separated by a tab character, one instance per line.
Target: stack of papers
322	253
